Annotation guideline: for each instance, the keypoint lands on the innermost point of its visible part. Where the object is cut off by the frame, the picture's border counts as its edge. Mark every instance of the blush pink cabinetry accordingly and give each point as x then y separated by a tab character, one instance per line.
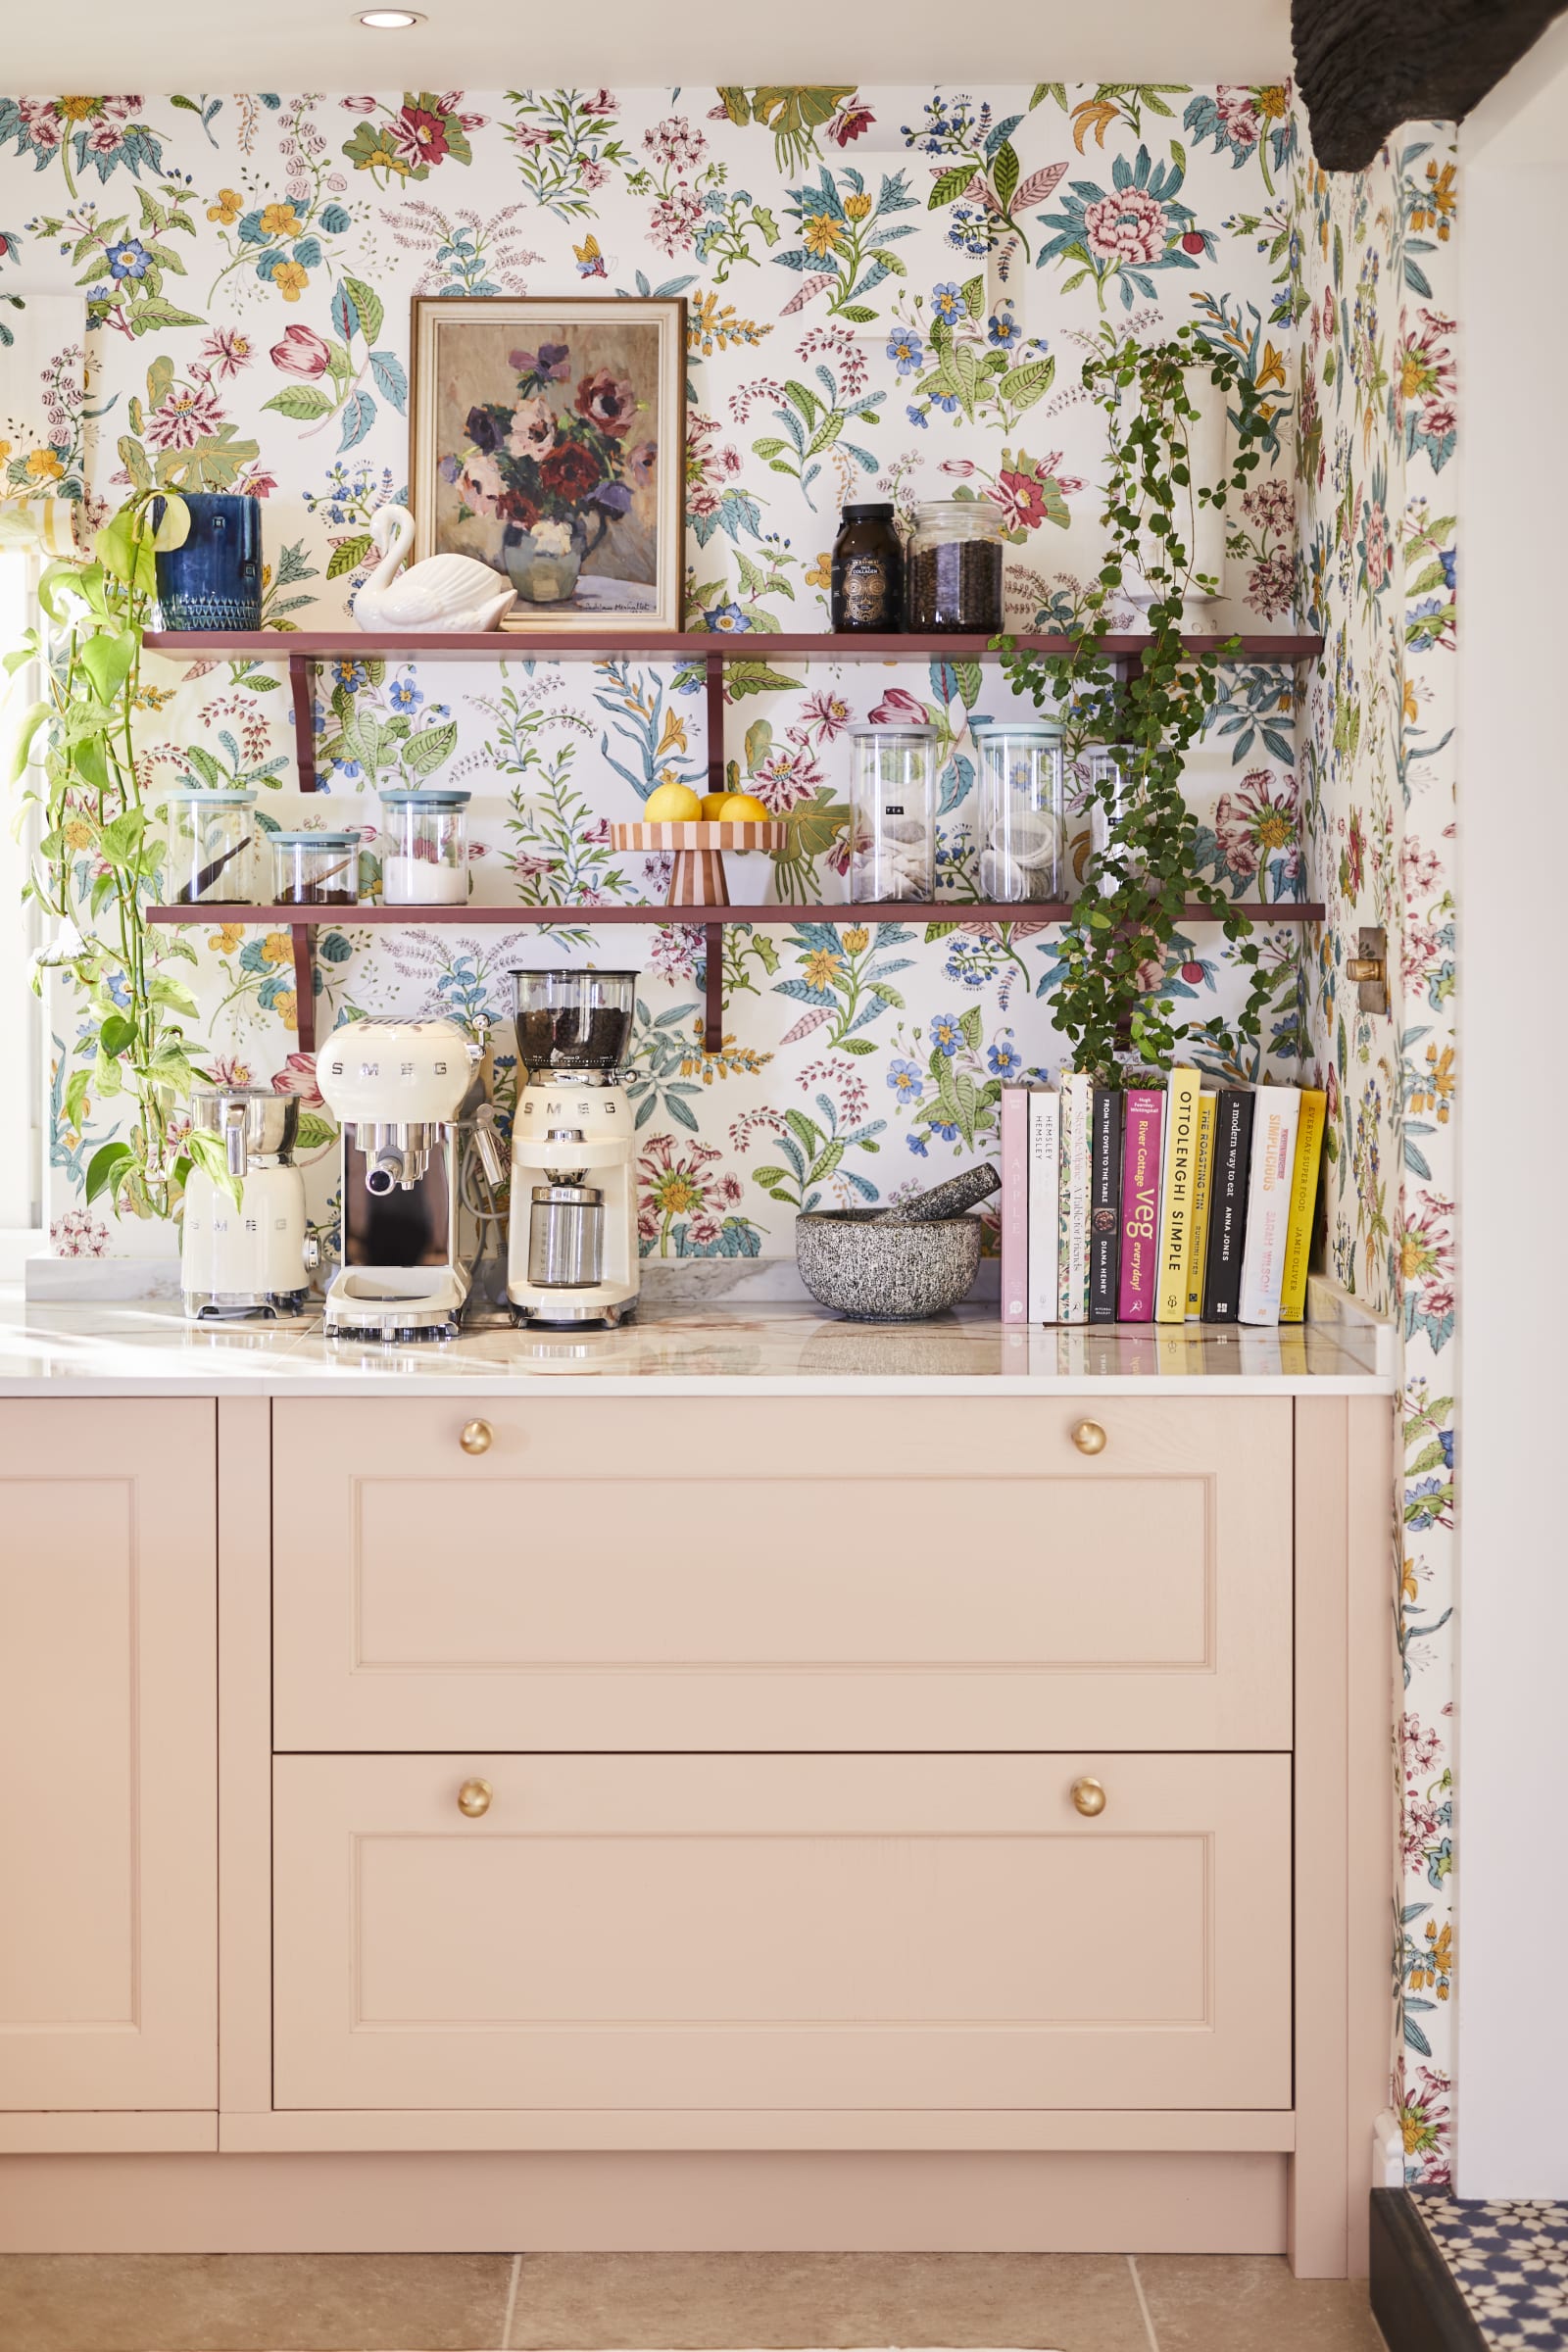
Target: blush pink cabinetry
781	1933
108	1756
775	1921
884	1574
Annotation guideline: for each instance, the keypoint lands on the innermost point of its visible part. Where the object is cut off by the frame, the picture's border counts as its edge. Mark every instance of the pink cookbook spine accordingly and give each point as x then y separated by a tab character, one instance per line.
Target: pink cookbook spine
1014	1204
1140	1205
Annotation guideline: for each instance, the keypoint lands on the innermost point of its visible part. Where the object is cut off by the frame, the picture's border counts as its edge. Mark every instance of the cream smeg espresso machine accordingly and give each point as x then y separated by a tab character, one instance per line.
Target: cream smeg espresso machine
410	1099
572	1248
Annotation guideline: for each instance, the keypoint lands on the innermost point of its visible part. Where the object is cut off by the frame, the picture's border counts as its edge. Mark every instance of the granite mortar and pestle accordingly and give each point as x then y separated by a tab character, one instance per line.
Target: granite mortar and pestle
900	1263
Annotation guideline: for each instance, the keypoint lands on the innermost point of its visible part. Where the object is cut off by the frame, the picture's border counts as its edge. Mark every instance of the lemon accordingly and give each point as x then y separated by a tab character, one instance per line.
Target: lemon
743	808
713	806
672	804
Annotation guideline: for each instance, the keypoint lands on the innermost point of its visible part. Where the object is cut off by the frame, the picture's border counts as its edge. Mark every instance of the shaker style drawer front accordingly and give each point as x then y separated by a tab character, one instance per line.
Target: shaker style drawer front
782	1932
670	1574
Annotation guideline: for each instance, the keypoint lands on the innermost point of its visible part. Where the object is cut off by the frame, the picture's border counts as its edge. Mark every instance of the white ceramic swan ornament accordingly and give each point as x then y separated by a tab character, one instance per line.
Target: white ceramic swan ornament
445	595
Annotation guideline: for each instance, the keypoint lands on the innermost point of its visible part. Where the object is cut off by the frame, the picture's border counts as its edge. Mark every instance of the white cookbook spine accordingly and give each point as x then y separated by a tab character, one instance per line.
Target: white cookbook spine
1045	1154
1077	1118
1275	1120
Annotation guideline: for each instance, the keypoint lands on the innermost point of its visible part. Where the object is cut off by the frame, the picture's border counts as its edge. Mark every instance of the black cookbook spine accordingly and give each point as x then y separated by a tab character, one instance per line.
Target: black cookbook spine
1226	1208
1104	1205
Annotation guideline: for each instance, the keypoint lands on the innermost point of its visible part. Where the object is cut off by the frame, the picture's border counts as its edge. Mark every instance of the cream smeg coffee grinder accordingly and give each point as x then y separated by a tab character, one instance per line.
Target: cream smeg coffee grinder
573	1249
409	1097
245	1257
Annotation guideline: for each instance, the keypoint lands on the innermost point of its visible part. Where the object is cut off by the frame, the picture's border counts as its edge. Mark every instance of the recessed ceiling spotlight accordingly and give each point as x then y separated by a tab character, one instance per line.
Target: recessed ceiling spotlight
390	20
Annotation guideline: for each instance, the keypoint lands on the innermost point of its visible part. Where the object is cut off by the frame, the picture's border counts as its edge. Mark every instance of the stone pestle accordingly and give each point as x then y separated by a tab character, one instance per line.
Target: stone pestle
949	1200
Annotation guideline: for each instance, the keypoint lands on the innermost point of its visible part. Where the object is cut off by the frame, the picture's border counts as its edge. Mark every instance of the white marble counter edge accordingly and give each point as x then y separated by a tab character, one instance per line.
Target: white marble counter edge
488	1383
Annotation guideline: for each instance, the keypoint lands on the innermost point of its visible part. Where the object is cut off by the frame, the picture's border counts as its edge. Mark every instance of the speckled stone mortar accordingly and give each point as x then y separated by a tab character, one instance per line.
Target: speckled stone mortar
873	1271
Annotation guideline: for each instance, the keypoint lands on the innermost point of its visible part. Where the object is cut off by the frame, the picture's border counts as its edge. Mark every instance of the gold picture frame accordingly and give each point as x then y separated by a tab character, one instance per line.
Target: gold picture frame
547	438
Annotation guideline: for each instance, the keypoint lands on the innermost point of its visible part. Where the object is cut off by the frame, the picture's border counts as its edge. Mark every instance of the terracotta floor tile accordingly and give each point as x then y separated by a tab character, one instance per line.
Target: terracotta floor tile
584	2302
253	2302
1251	2303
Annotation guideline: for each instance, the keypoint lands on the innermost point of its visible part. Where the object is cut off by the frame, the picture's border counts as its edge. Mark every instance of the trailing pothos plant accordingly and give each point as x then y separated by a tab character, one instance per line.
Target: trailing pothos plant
1110	992
100	860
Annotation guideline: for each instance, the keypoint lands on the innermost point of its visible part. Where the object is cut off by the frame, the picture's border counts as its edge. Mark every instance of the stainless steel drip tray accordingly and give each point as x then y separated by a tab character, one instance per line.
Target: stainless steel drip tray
565	1312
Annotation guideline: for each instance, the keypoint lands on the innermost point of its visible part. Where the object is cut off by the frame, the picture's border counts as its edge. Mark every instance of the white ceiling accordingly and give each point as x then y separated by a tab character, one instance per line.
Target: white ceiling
202	47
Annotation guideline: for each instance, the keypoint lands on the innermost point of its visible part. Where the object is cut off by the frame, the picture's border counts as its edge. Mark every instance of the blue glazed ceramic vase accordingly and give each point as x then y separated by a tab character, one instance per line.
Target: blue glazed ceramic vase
215	580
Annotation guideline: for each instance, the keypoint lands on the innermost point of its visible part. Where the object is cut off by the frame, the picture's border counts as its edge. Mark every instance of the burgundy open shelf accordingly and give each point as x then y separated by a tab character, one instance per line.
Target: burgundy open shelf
301	921
665	645
302	649
965	911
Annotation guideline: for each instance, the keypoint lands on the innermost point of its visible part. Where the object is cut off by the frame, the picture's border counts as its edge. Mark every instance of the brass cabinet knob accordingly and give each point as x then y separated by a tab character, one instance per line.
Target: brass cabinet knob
1089	1797
1089	1438
473	1798
477	1437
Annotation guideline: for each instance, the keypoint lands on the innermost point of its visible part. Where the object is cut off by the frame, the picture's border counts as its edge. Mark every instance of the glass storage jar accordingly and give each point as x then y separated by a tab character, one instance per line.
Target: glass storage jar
954	570
893	834
212	846
1021	797
426	861
867	572
315	869
1103	767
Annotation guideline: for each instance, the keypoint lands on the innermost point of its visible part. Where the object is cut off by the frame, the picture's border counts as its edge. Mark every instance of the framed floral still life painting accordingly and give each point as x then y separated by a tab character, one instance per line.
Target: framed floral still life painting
549	441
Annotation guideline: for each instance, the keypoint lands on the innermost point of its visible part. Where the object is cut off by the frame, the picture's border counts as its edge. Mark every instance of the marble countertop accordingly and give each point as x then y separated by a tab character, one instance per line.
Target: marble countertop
754	1349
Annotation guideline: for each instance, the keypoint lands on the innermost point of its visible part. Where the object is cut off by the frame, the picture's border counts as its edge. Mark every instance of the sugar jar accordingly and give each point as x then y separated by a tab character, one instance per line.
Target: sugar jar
426	861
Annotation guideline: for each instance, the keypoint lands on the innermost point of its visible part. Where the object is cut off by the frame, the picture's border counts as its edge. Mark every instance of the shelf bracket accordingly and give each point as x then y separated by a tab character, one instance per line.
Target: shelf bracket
299	683
304	939
714	990
714	970
715	721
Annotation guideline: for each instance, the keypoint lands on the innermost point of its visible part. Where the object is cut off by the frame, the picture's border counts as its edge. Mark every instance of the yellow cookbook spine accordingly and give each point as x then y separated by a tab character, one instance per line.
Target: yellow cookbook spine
1176	1196
1303	1200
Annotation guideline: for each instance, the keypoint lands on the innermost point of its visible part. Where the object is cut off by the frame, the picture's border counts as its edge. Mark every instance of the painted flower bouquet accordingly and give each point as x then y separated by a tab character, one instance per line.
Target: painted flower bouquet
556	468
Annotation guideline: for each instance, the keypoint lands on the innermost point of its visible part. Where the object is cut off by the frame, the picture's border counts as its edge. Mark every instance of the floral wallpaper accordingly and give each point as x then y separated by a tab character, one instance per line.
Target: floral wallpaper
891	292
1377	436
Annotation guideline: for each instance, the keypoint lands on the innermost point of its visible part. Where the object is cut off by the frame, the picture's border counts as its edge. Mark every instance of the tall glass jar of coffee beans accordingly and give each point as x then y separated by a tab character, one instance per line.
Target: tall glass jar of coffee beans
955	572
866	591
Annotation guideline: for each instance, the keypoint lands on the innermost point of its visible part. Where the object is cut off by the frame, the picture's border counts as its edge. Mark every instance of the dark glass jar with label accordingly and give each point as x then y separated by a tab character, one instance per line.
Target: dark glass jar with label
867	572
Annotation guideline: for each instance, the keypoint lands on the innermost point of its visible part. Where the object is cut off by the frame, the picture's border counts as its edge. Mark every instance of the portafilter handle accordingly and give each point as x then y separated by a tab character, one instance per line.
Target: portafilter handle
487	1144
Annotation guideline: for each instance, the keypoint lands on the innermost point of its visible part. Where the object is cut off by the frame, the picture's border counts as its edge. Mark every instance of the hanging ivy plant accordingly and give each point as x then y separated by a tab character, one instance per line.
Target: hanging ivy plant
1109	992
100	862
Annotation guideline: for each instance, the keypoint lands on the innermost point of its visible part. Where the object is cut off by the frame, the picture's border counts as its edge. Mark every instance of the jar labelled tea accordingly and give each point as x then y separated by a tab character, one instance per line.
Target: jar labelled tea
867	572
955	569
893	834
1021	797
213	844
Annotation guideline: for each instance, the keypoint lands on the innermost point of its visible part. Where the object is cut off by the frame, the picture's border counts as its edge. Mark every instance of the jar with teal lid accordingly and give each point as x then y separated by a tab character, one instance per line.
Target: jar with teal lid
315	869
426	860
1022	810
212	844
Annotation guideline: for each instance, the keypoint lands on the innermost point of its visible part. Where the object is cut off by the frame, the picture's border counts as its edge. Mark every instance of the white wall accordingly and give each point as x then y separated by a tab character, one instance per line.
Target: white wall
1513	855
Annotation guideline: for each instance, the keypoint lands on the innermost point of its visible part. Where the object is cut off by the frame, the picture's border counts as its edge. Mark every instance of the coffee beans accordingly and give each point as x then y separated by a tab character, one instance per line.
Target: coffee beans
957	584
